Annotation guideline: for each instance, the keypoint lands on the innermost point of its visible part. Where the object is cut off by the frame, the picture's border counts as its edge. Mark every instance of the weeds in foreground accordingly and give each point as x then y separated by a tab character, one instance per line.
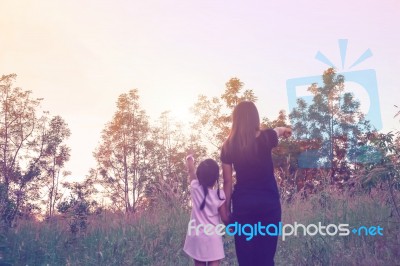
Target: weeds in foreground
157	237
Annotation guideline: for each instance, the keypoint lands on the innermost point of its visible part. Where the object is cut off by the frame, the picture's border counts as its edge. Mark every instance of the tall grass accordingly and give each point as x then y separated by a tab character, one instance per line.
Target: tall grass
333	207
156	237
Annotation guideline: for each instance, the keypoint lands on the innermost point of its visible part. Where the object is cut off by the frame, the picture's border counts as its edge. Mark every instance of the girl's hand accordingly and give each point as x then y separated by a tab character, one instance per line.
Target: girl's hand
189	158
190	165
189	153
287	132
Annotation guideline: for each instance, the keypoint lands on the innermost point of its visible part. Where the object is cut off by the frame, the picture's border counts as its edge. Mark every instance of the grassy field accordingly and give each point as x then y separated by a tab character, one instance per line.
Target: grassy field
156	238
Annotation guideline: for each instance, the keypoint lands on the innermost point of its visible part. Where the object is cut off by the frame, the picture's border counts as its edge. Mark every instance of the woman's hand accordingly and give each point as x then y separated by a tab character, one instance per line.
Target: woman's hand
285	132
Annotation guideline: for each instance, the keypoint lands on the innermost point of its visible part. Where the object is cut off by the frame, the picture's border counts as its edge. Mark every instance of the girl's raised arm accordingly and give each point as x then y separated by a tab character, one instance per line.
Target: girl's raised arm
190	167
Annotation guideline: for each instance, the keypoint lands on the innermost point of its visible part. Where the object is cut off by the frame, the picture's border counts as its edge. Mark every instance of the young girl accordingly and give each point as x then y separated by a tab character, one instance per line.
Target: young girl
207	206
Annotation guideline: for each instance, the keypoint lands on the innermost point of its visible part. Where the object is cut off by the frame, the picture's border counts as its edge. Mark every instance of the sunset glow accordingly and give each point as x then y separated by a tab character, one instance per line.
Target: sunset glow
81	55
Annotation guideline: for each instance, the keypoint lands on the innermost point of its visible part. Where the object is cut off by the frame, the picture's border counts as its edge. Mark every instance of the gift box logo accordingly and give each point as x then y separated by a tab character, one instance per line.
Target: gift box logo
364	79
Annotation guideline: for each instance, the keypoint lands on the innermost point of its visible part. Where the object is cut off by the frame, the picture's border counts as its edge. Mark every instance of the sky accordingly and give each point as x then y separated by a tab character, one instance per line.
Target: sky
81	55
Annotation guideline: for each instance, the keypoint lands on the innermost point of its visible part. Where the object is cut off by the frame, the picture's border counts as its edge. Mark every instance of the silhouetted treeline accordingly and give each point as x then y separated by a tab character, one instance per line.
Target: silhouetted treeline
139	161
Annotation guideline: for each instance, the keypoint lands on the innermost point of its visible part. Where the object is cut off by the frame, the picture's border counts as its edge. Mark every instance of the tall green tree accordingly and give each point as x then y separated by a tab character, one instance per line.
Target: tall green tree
122	154
333	122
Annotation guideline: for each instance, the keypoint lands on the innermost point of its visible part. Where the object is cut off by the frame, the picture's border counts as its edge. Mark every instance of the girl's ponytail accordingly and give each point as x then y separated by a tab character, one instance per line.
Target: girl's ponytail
207	173
203	204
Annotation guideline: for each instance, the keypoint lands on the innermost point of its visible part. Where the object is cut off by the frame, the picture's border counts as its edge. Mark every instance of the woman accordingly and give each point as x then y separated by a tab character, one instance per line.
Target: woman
255	197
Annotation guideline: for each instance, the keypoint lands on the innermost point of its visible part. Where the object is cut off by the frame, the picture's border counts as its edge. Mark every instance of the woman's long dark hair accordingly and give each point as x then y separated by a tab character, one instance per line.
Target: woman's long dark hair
207	173
241	143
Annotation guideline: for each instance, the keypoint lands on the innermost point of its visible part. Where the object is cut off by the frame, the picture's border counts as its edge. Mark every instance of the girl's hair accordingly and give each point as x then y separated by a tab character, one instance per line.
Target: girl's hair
207	173
241	143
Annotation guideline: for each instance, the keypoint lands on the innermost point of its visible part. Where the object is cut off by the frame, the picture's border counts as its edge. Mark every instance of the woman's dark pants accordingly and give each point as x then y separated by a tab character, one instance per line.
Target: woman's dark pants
251	208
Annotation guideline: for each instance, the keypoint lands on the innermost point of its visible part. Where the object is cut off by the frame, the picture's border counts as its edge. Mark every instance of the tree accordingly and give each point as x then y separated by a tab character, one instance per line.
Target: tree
214	114
21	145
55	155
122	154
169	146
333	122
